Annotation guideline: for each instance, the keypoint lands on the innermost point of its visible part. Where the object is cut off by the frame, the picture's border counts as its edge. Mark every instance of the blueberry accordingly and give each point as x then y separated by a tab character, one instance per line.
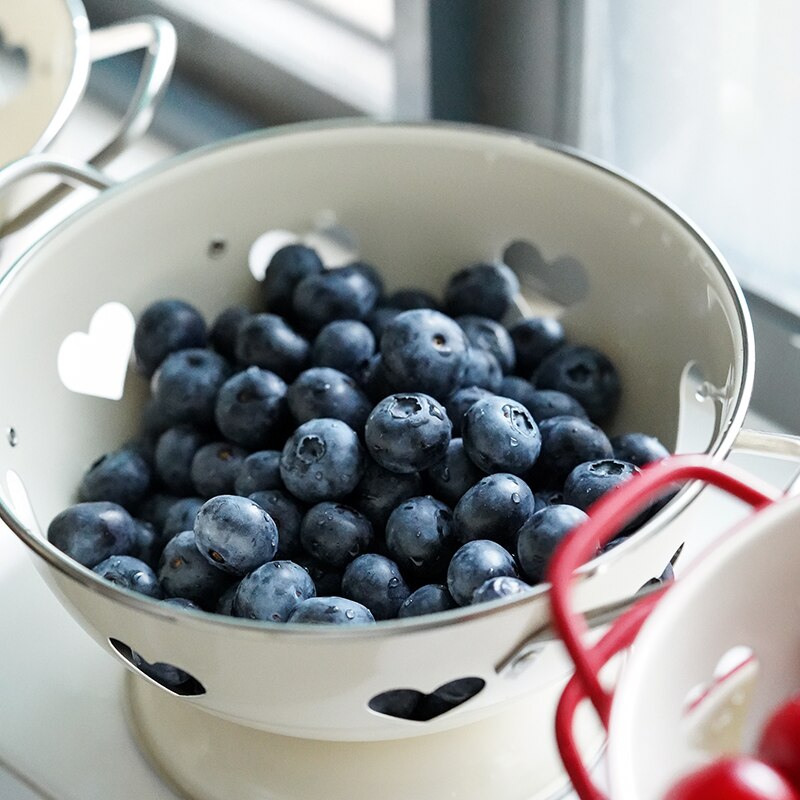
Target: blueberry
420	537
424	351
180	517
287	514
567	442
497	588
130	573
534	338
482	369
122	477
400	703
461	401
235	534
588	482
91	532
331	611
154	421
166	674
185	386
584	373
409	299
345	293
183	571
325	392
500	436
407	432
374	381
215	467
447	697
538	538
381	491
487	290
173	457
259	471
428	599
372	276
380	317
494	508
450	478
473	564
375	582
165	327
222	336
346	345
322	460
146	545
547	403
154	509
335	534
251	408
520	390
267	341
273	591
327	580
287	267
225	602
638	448
488	334
547	497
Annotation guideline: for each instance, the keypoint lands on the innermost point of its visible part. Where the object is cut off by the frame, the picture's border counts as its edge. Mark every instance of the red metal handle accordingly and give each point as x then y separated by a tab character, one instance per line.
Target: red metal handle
607	517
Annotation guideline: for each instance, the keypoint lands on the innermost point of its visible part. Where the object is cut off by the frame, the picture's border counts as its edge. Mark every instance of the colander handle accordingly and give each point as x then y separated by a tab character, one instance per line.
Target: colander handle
157	37
608	516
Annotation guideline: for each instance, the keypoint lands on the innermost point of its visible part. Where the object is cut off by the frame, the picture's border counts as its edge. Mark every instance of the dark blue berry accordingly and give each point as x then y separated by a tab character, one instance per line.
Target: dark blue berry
585	374
424	351
345	293
173	457
267	341
287	514
375	582
287	267
588	482
215	467
328	581
428	599
185	386
325	392
534	338
567	442
487	334
497	588
180	517
500	436
538	538
155	507
235	534
638	448
487	290
520	390
225	602
481	369
122	477
473	564
409	299
335	534
380	317
322	460
146	545
273	591
225	328
259	471
381	491
91	532
331	611
165	327
460	402
130	573
450	478
251	408
494	508
371	274
420	537
183	571
346	345
374	381
547	403
407	432
547	497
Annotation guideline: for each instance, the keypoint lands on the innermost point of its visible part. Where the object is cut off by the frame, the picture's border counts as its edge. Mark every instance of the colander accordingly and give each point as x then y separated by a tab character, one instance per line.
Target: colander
52	48
712	654
419	201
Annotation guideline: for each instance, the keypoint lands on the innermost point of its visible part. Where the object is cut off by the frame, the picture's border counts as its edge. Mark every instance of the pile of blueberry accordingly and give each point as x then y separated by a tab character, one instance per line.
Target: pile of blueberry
344	456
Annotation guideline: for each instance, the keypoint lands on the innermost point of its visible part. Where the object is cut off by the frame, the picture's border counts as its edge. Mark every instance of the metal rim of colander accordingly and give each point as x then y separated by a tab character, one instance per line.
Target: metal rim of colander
722	445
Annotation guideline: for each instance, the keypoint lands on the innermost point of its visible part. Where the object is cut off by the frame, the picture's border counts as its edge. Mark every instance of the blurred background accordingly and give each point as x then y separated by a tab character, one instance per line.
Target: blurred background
697	99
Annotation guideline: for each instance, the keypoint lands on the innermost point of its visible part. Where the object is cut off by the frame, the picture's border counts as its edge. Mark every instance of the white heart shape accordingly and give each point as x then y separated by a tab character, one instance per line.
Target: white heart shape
95	363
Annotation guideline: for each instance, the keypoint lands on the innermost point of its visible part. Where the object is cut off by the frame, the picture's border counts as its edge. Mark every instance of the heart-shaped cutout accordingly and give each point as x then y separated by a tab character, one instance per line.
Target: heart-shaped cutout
96	363
168	676
14	69
715	712
411	704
